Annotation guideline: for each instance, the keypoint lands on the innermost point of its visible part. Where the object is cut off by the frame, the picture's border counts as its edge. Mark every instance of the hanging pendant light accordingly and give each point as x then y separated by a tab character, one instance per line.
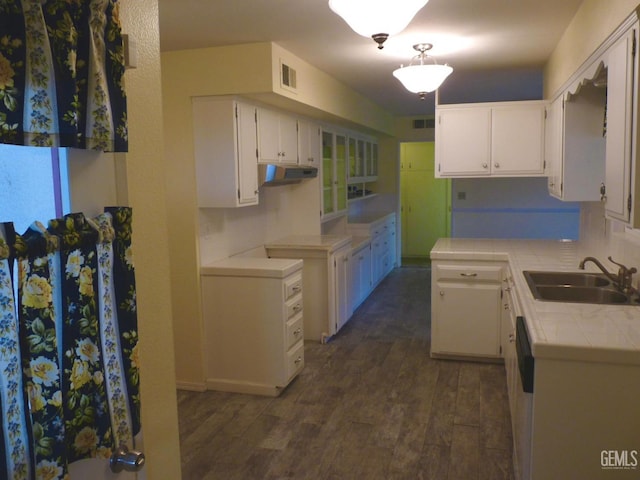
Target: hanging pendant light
377	19
423	78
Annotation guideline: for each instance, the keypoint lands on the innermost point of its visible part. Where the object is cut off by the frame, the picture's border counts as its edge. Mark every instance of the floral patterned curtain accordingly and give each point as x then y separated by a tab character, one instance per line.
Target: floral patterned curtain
61	74
68	345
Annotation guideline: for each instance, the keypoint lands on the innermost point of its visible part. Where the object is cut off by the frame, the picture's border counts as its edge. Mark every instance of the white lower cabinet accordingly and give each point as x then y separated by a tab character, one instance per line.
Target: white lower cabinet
361	278
465	309
382	231
253	319
325	278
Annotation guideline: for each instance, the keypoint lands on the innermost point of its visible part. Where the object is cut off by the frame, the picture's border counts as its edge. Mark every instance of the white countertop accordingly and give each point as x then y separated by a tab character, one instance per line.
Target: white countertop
367	218
574	331
311	242
252	267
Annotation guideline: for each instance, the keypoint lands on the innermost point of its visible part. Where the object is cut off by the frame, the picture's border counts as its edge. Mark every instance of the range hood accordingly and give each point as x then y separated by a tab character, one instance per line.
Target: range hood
275	174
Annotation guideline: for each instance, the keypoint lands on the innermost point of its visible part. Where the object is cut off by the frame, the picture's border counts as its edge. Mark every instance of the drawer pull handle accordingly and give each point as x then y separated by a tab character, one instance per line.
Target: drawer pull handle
297	307
298	360
512	338
297	332
295	288
469	275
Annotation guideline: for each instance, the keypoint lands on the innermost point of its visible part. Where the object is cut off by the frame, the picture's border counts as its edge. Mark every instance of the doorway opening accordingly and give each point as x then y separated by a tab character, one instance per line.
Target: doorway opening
425	203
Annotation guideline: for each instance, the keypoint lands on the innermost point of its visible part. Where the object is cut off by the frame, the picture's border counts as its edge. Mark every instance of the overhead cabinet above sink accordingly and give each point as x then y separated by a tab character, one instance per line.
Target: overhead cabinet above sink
591	130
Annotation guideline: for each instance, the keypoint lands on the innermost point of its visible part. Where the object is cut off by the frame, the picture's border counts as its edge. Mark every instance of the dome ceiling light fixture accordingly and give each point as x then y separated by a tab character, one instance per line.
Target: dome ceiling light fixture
377	19
423	78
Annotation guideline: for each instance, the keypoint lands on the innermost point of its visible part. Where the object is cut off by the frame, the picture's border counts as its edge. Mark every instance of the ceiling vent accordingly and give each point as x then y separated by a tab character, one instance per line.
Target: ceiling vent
420	123
288	77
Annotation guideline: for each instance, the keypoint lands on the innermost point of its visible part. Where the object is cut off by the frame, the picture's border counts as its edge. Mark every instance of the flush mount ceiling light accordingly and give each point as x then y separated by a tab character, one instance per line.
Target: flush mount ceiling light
422	79
377	18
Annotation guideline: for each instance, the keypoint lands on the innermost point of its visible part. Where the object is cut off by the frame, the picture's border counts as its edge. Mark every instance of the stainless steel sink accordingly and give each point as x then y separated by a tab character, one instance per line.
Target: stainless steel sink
562	293
576	279
576	287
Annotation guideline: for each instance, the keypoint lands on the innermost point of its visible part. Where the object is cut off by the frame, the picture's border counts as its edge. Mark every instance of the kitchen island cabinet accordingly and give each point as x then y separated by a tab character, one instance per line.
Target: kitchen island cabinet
465	309
325	279
582	411
253	324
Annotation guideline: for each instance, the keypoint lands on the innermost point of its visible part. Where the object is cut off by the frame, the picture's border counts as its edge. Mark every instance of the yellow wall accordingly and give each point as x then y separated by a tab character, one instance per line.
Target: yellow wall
592	24
145	178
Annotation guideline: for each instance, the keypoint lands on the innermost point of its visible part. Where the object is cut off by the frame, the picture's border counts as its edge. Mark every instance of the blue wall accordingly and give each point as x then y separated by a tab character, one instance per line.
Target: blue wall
510	208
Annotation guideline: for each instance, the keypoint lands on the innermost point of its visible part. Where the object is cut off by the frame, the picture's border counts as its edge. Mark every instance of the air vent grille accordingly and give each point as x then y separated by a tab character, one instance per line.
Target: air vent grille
420	123
289	77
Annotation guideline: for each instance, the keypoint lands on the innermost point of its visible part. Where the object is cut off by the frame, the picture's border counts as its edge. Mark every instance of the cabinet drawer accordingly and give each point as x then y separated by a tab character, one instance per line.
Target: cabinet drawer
294	306
470	273
295	331
292	286
295	359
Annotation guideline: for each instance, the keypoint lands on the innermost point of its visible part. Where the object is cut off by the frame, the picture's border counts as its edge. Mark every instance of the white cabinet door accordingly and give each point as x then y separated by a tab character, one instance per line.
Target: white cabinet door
554	146
517	139
309	143
341	287
463	142
360	268
277	137
225	149
466	320
619	128
247	164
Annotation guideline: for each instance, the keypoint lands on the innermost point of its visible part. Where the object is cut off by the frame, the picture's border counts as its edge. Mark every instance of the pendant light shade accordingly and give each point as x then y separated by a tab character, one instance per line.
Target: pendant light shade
422	79
377	19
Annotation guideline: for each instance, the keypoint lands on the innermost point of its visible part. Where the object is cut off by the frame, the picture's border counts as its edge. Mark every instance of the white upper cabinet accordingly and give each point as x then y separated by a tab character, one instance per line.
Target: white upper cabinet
309	143
277	137
225	149
497	139
619	127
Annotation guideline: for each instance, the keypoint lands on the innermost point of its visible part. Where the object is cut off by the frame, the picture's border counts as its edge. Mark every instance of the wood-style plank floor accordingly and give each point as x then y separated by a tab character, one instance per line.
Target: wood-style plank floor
370	404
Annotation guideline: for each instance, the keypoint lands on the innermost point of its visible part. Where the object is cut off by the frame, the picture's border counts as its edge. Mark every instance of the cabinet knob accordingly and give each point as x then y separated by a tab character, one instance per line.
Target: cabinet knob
497	165
297	307
298	360
603	192
297	332
484	165
512	338
441	293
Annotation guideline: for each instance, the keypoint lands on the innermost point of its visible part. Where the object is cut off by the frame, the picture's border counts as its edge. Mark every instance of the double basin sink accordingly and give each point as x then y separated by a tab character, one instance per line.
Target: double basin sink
576	287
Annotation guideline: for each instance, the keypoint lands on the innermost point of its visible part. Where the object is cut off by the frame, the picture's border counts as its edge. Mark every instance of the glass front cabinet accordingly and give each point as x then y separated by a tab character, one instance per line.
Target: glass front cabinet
334	174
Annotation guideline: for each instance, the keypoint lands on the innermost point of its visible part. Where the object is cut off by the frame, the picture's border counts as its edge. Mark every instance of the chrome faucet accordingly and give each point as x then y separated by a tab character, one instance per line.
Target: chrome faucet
623	281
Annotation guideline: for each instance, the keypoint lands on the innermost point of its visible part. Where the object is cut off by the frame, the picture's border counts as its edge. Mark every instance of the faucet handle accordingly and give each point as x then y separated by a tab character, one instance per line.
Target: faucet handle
626	269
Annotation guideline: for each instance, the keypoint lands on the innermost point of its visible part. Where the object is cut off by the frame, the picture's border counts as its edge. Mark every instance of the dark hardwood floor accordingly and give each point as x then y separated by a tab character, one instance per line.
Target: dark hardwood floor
370	404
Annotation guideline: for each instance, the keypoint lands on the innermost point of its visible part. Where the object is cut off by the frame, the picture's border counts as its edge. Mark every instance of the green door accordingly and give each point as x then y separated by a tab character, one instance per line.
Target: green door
426	201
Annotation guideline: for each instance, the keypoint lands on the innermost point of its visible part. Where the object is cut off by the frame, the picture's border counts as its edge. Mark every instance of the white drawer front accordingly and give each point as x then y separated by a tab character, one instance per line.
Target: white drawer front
295	359
292	286
295	331
294	306
475	273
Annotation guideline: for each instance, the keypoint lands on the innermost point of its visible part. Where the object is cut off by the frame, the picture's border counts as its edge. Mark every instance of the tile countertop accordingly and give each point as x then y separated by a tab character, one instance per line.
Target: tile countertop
252	267
329	243
558	330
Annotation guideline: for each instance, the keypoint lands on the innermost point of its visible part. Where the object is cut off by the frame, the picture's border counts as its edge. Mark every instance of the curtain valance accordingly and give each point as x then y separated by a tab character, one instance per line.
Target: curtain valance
61	74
